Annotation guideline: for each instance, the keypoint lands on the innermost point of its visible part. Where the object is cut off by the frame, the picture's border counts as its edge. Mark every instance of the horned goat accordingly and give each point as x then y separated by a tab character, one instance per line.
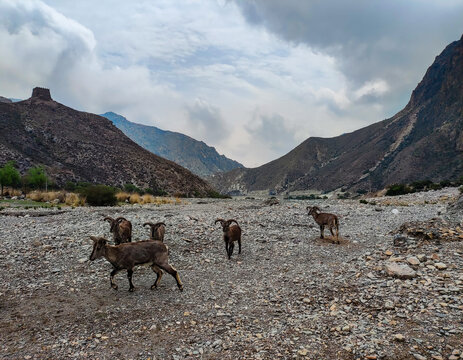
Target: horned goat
230	235
127	256
121	229
323	219
157	230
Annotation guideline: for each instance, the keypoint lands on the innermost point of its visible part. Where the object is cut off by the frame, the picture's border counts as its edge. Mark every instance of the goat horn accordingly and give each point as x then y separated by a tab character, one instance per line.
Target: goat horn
159	224
148	223
233	220
120	218
219	220
108	218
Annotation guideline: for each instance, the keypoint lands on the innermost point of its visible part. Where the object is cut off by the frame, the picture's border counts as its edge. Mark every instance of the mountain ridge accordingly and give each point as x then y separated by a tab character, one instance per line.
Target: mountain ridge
80	146
422	141
195	155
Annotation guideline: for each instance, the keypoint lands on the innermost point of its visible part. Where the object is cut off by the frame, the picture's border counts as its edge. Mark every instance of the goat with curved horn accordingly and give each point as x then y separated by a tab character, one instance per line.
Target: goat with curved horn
127	256
230	235
157	230
121	229
323	219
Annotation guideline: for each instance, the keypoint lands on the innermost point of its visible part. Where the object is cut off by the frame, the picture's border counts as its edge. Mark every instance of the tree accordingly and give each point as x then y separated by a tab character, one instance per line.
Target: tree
9	176
36	177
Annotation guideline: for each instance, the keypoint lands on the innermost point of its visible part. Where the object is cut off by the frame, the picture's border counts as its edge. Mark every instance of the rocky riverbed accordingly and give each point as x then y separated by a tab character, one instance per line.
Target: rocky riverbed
288	295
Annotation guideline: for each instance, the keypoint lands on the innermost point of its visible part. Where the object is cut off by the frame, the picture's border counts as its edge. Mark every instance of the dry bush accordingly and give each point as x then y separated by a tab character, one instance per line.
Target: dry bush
35	196
8	191
54	195
135	199
73	199
122	196
50	196
147	199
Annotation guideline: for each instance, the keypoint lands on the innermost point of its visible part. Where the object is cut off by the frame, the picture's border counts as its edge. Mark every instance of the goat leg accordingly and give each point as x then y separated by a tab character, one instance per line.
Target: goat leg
171	270
239	246
129	276
322	229
111	278
230	250
158	272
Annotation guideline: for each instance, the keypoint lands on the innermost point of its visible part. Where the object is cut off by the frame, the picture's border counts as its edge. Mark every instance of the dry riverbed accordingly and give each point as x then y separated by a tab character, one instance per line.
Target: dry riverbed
288	295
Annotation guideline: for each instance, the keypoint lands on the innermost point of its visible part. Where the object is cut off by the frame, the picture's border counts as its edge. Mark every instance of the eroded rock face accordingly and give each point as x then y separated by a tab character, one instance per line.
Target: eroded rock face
41	93
422	141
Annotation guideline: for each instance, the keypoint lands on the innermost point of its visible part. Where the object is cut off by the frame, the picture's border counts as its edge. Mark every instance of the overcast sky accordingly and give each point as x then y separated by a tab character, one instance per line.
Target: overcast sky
252	78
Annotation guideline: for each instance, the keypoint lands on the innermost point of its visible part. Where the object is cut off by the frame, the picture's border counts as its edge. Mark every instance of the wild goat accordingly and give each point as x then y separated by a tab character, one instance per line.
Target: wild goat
121	229
230	235
323	219
157	230
127	256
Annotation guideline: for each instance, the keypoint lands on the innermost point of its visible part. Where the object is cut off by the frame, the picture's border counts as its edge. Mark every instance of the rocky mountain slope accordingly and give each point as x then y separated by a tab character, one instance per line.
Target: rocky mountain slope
196	156
79	146
423	141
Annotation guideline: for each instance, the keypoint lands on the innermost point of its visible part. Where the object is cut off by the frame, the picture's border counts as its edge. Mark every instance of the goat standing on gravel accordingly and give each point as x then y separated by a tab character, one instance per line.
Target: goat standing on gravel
127	256
121	229
230	235
323	219
157	230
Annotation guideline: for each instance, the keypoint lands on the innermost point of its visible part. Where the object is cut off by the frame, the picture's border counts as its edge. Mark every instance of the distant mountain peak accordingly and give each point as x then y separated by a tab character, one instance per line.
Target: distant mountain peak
196	156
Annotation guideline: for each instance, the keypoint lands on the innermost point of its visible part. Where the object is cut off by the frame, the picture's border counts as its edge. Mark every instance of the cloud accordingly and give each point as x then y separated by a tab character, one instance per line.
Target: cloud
271	130
208	122
386	40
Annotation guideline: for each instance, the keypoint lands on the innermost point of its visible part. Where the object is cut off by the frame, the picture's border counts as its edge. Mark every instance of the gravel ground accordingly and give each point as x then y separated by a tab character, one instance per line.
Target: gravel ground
287	295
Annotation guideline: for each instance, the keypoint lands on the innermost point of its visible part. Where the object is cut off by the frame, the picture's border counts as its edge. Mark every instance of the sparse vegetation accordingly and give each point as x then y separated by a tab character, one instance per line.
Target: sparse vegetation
422	185
9	176
100	195
305	197
36	178
216	195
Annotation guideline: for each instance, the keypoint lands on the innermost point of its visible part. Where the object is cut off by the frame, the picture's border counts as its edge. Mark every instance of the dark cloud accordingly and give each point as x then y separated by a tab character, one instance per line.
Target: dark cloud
272	131
394	40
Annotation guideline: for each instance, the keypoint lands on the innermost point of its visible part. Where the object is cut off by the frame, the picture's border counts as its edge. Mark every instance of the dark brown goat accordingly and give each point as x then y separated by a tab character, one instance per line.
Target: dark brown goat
157	230
323	219
230	235
121	229
127	256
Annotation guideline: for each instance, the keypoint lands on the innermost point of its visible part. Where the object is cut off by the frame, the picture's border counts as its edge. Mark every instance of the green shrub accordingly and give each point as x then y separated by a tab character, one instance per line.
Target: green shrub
421	185
363	201
461	189
100	195
9	176
36	177
398	189
131	188
216	195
